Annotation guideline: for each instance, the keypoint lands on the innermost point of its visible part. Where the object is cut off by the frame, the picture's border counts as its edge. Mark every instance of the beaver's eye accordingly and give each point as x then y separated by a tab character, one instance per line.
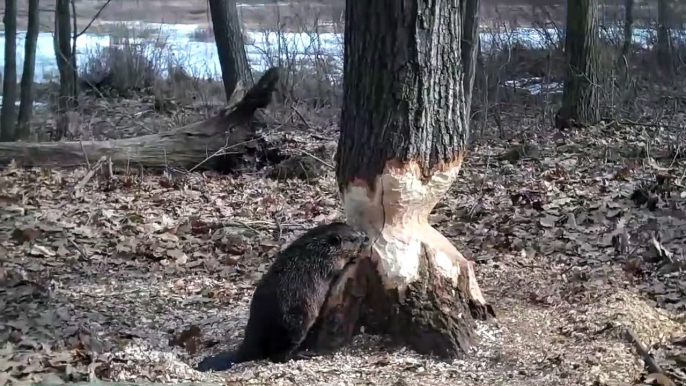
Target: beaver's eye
335	239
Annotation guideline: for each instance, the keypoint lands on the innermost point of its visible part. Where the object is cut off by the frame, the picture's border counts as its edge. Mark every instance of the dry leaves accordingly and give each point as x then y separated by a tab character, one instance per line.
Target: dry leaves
137	277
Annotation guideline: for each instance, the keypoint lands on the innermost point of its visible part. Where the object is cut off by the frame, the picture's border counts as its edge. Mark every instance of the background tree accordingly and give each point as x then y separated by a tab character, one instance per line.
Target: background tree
580	97
9	85
628	27
470	48
230	45
664	39
64	57
27	76
404	131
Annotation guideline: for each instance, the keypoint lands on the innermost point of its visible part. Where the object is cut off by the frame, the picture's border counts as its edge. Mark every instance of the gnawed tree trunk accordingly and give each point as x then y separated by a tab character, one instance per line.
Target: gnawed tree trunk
9	86
230	45
226	139
26	101
664	38
580	105
628	27
66	100
403	137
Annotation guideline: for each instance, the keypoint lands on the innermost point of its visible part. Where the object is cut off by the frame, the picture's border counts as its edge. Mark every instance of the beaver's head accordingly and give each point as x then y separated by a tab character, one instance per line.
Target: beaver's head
345	237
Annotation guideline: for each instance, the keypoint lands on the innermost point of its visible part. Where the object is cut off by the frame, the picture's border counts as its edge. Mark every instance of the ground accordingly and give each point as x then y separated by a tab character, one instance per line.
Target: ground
138	276
115	274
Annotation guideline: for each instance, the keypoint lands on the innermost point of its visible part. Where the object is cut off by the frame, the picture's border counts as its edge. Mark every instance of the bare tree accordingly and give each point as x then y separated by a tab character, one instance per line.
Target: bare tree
230	45
470	47
628	27
9	86
580	97
65	64
27	76
404	132
664	39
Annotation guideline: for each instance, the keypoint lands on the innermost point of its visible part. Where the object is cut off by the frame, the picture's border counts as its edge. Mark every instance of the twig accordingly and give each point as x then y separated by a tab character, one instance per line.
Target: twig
653	125
267	225
301	117
222	151
318	159
84	154
81	251
91	172
97	14
278	227
653	367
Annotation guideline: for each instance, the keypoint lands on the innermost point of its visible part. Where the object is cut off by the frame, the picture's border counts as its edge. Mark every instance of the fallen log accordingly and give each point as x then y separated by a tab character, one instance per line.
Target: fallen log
228	140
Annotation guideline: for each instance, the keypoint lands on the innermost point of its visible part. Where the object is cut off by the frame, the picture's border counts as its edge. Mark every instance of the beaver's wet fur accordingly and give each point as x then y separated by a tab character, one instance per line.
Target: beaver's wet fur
289	296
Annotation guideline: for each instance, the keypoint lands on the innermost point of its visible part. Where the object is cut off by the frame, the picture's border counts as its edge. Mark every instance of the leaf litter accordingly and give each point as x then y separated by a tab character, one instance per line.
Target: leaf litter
136	278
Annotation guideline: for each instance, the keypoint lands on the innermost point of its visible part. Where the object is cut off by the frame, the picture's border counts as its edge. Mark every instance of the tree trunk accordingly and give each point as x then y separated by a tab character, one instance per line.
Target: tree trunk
230	45
664	39
26	103
628	27
470	47
229	137
66	100
403	137
74	34
580	97
9	85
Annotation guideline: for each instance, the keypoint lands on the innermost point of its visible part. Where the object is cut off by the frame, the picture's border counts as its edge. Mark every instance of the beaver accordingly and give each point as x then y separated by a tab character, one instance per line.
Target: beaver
289	296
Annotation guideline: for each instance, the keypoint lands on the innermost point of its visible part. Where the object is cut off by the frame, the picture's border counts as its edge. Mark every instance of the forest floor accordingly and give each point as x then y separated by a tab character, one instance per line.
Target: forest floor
135	278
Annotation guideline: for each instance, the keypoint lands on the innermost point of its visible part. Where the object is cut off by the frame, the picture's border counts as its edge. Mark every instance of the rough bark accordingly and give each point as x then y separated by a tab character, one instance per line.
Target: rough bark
470	47
628	27
27	76
66	100
404	131
74	34
230	46
664	38
230	136
9	85
580	104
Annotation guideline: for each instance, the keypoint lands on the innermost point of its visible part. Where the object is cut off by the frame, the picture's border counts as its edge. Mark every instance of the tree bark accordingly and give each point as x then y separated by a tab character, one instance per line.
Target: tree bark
580	104
664	39
9	85
74	34
470	47
229	137
66	100
230	45
27	76
628	27
404	131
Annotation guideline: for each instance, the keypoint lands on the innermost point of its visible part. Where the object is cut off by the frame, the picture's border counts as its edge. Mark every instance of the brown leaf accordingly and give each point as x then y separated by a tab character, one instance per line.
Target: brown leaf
25	235
188	339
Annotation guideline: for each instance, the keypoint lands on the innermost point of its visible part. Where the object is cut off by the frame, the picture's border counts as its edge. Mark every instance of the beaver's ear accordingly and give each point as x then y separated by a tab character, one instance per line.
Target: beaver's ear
334	239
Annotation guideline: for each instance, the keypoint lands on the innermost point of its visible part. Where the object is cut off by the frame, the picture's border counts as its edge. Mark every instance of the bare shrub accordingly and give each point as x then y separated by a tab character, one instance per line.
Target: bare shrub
304	40
128	63
203	34
131	64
